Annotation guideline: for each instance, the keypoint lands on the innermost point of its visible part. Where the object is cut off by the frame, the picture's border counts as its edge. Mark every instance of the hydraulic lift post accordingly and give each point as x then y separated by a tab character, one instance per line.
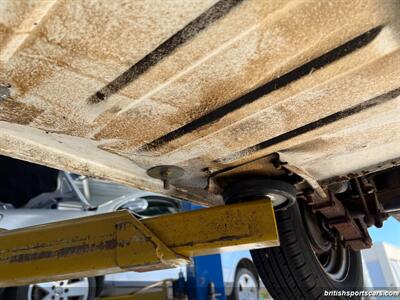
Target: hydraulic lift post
205	278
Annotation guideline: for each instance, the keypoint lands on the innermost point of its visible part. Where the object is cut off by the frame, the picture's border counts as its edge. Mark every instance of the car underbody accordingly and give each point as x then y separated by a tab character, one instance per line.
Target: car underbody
317	97
190	99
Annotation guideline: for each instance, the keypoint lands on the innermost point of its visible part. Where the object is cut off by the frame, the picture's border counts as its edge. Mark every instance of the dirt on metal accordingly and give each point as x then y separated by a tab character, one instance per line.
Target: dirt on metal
113	88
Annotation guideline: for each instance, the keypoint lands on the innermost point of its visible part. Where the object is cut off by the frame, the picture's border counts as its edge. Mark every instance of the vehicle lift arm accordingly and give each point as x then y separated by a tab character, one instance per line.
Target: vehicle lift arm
117	242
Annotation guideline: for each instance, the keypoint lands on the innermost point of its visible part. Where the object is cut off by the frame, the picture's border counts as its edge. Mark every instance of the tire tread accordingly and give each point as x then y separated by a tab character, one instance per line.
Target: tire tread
286	270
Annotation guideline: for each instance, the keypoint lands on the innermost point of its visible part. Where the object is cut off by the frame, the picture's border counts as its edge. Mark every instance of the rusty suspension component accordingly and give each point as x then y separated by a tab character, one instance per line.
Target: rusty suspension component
350	211
353	234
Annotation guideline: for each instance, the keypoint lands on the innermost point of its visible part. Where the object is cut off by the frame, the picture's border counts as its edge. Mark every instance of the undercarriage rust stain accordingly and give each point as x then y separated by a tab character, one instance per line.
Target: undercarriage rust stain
214	13
258	54
68	60
265	89
18	112
314	125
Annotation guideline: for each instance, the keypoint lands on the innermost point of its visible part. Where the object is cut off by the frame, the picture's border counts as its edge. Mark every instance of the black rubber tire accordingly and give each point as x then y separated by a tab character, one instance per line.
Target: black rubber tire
21	292
255	188
292	271
99	285
239	272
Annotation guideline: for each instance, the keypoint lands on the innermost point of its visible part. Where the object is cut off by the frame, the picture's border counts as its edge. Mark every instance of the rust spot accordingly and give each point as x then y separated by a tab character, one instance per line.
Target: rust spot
16	112
64	252
114	110
225	238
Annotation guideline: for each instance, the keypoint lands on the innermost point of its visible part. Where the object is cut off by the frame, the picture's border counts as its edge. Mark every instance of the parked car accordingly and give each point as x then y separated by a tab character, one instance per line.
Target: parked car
79	196
240	278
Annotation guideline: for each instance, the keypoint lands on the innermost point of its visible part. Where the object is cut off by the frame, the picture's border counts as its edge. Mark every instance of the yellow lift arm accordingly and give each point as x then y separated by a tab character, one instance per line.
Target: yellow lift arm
117	241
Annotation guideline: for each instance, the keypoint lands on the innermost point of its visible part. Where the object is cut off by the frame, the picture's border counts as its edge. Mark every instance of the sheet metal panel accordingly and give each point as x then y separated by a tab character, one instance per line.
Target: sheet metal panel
111	89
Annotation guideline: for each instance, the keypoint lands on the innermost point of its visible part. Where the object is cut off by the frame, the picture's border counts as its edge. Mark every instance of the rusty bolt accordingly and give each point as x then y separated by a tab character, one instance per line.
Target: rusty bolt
165	173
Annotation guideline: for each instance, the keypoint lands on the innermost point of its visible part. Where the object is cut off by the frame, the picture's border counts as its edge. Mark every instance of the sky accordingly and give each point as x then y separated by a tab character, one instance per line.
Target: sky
389	233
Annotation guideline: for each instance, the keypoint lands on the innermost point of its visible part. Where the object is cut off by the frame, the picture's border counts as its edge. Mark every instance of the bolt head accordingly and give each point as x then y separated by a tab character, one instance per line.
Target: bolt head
165	173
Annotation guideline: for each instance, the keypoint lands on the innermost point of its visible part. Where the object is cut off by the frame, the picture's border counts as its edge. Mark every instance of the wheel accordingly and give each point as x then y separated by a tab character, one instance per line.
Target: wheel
309	261
75	289
245	286
281	194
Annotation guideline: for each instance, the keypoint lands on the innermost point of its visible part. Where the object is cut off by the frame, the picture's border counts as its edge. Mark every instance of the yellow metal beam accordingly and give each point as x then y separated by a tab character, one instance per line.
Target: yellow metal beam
235	227
117	241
